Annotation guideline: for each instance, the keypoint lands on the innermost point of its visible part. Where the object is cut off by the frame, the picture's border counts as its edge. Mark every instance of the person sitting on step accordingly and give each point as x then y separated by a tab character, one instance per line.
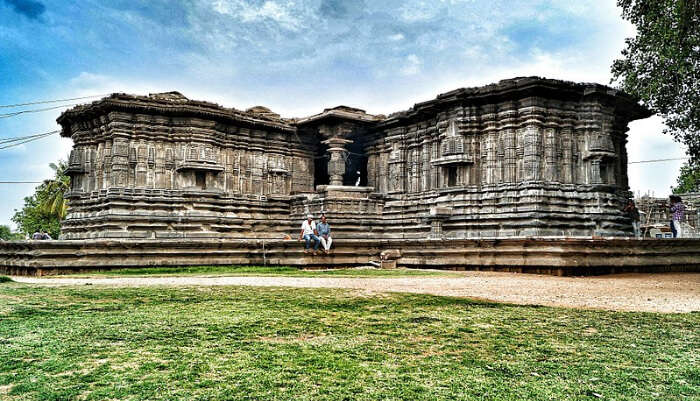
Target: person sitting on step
308	233
324	233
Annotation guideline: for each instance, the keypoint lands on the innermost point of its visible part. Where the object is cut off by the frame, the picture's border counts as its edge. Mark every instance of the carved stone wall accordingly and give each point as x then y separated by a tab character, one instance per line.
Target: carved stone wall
524	157
534	163
155	167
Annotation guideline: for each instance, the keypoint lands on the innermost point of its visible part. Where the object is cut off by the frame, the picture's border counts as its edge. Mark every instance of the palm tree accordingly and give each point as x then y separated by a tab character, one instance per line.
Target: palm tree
52	198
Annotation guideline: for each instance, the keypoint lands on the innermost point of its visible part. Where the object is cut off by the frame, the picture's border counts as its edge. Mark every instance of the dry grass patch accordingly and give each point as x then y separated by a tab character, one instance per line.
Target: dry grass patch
221	271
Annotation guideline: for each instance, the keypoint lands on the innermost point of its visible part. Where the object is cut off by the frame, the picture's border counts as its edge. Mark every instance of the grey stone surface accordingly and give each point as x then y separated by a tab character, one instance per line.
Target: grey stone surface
544	256
523	157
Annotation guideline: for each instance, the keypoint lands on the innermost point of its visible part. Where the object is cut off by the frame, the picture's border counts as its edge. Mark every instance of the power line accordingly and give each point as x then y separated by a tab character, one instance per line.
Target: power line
34	138
21	182
16	113
22	138
19	138
657	160
28	140
21	143
4	106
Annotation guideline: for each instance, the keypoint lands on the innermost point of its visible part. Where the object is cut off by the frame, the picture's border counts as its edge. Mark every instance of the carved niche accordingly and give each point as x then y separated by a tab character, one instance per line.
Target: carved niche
453	161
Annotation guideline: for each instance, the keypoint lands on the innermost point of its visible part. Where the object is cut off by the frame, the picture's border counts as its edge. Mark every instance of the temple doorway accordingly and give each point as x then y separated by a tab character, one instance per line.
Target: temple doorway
200	178
321	170
355	165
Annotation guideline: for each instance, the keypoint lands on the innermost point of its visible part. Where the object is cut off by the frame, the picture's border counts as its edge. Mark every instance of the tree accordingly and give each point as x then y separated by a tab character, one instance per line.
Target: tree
32	217
688	180
6	234
661	65
54	202
45	209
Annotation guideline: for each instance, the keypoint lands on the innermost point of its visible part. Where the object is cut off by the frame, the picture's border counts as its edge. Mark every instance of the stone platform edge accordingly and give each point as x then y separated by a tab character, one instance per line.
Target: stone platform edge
563	257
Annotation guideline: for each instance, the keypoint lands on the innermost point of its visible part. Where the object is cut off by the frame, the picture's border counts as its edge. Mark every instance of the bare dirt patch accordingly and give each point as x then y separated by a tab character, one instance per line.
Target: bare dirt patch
660	292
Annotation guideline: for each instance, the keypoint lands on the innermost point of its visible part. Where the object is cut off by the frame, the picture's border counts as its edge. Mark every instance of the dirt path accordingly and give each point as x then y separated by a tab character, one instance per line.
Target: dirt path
670	292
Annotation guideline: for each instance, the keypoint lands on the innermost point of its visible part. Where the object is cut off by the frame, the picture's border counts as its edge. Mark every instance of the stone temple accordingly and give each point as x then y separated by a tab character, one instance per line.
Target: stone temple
526	157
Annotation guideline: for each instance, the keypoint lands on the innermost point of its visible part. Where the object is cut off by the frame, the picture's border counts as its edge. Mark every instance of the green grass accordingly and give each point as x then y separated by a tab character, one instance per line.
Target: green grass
5	279
246	343
262	271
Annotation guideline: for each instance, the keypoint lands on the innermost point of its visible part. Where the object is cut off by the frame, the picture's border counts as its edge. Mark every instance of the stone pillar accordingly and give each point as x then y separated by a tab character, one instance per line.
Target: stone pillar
595	177
436	217
336	163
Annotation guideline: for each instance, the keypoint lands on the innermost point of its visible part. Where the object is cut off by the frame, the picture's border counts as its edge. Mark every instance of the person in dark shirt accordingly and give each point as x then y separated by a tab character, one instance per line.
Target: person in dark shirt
41	235
324	233
677	215
632	213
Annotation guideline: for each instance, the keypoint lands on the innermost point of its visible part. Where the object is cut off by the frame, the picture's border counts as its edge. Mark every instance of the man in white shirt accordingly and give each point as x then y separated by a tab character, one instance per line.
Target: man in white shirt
308	233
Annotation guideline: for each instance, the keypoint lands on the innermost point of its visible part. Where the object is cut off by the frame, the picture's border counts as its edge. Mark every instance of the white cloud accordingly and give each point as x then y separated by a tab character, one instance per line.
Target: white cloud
223	6
275	12
88	80
413	11
646	142
396	37
269	10
88	84
412	65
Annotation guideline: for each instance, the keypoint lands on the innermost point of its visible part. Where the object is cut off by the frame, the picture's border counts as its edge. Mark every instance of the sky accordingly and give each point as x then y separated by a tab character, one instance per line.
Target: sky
298	57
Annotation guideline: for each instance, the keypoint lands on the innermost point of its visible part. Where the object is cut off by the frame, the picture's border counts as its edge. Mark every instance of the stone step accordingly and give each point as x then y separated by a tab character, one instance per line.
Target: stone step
535	255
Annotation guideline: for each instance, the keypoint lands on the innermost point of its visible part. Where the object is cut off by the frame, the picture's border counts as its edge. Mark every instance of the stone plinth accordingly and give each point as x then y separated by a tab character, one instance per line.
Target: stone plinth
352	211
344	191
544	256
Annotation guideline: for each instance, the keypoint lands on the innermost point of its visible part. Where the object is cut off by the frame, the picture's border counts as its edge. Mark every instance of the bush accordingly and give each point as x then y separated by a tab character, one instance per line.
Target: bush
5	279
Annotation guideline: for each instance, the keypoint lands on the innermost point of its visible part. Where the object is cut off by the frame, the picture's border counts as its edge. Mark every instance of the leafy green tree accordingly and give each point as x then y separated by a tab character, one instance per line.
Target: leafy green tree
661	64
7	234
54	202
33	216
45	209
688	180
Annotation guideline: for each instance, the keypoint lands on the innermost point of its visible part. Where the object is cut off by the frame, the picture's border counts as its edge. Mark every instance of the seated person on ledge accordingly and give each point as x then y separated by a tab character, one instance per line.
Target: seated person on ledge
308	233
324	233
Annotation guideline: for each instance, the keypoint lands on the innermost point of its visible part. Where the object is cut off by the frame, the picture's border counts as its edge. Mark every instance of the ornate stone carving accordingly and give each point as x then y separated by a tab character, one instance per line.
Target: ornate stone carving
523	157
336	162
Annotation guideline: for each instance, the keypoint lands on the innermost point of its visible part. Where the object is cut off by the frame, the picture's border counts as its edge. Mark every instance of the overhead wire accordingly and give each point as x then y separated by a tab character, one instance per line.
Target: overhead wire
12	114
16	113
658	160
19	138
21	182
5	106
22	140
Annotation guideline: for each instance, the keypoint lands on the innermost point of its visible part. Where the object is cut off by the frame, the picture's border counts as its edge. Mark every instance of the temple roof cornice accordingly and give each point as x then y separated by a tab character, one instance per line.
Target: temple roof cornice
170	104
519	88
506	92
